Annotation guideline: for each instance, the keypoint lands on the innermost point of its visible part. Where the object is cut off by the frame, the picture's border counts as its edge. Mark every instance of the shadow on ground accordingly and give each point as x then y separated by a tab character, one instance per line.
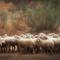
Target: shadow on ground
29	57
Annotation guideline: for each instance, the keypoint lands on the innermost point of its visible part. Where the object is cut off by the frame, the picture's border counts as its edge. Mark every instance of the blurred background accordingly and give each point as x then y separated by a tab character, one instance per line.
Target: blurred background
22	16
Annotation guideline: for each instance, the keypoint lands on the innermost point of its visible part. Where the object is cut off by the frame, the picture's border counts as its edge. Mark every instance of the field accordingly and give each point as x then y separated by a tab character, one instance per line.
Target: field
17	56
32	16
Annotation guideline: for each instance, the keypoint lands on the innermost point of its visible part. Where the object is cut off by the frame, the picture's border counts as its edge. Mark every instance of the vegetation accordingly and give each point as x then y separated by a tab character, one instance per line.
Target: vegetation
38	15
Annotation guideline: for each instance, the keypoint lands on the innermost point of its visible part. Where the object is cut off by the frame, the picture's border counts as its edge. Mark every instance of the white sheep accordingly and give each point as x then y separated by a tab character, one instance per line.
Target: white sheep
42	36
27	43
55	38
40	41
45	44
2	44
10	42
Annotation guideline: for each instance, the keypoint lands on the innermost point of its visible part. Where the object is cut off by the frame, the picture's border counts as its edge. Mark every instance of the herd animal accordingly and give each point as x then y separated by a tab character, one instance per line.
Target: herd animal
29	43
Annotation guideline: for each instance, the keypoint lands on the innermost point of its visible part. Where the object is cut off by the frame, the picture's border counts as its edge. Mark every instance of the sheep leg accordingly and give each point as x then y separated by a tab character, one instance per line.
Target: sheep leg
12	48
15	48
29	50
0	48
18	47
51	50
21	50
4	49
33	50
8	47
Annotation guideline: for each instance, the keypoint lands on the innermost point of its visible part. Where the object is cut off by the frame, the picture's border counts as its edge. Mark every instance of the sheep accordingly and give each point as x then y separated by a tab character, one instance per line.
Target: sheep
26	43
30	43
2	44
45	44
22	36
52	34
56	44
56	39
26	35
29	35
35	36
42	36
10	43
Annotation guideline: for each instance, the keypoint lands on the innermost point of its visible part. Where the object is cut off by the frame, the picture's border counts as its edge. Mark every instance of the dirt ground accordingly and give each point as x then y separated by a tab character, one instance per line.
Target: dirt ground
17	56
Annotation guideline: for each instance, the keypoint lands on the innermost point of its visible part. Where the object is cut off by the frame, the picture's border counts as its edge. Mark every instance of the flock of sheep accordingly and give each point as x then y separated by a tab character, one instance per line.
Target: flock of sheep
29	43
